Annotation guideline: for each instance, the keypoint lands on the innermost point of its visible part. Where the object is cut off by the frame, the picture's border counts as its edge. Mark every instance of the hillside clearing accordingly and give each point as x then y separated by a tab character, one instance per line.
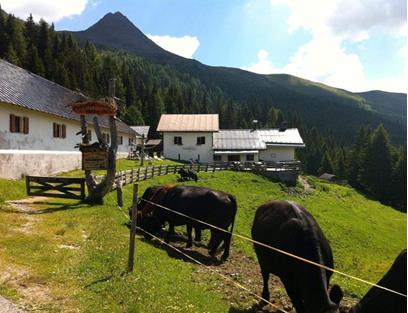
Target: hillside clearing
75	254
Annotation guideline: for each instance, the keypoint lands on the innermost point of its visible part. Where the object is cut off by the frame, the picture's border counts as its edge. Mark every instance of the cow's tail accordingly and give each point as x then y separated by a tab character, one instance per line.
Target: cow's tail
229	236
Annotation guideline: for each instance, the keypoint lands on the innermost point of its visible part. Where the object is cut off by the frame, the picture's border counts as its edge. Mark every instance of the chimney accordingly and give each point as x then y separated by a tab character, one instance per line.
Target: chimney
112	85
283	126
254	124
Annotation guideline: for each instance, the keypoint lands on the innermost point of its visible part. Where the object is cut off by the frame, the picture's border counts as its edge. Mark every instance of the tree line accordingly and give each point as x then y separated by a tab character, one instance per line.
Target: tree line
146	90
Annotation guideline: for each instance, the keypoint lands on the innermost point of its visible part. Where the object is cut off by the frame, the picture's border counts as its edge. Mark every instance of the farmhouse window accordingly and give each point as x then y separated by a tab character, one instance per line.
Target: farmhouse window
178	140
89	135
201	140
250	157
121	140
19	124
59	130
217	157
106	137
234	158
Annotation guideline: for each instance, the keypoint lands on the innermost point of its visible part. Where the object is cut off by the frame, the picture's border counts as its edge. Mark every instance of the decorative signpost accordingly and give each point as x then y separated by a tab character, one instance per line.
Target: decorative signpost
99	155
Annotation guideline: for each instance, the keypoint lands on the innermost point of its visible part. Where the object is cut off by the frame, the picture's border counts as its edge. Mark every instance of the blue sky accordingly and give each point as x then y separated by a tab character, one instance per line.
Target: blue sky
356	45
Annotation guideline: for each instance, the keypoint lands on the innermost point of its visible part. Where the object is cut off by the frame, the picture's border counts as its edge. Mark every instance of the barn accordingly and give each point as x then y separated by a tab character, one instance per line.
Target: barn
38	130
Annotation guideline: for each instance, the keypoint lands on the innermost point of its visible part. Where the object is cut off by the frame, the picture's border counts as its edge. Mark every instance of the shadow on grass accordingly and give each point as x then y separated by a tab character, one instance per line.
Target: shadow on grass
176	240
55	207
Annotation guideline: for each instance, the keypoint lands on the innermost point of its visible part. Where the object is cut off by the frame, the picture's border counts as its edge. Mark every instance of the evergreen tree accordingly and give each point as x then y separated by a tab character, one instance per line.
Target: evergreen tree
377	166
3	35
326	164
399	183
11	55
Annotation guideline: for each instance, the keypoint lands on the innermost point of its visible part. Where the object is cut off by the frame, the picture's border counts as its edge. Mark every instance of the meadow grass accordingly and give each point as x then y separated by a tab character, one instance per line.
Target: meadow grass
79	252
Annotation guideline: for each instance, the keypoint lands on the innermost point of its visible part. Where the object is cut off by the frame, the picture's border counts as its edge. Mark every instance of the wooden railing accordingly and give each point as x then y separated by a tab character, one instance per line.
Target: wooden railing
144	173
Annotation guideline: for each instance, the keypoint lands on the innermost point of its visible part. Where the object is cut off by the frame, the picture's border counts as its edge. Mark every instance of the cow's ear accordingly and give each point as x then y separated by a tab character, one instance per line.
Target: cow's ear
336	294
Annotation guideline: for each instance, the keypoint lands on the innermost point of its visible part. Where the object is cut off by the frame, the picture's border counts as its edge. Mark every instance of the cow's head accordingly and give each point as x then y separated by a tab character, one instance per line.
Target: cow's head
152	225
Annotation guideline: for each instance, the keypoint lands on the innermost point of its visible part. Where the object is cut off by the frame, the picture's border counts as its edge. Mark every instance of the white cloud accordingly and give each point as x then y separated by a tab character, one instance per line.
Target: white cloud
184	46
51	11
332	23
263	66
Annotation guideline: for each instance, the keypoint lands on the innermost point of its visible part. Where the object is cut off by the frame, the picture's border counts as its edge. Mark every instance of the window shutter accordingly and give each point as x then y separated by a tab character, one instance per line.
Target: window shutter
64	131
25	125
12	123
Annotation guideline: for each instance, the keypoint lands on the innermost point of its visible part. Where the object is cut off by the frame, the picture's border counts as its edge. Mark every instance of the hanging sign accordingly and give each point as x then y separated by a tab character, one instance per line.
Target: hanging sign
94	157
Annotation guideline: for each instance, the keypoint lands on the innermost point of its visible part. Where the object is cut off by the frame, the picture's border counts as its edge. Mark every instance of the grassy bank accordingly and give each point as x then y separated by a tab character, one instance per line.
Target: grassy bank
79	252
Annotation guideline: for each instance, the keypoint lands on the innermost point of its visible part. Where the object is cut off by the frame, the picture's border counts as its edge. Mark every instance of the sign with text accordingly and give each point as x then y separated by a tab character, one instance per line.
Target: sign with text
95	160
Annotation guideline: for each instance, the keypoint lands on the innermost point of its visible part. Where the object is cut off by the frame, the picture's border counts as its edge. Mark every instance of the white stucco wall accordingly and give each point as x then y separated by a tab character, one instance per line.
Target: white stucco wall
38	152
224	157
189	149
277	154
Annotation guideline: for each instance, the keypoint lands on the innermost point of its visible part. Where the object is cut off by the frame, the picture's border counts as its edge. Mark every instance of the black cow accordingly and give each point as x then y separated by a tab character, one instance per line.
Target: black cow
210	206
382	301
187	174
290	227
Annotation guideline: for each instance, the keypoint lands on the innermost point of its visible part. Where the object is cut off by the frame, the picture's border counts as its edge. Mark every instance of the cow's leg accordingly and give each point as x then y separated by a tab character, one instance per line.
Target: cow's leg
197	231
265	290
226	245
189	236
169	233
294	295
215	241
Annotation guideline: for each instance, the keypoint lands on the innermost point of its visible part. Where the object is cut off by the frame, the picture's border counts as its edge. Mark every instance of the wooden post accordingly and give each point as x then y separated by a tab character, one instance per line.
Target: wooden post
142	151
119	192
133	230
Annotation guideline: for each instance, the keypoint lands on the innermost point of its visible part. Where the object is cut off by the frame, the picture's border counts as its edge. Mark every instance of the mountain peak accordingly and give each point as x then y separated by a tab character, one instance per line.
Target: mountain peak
115	30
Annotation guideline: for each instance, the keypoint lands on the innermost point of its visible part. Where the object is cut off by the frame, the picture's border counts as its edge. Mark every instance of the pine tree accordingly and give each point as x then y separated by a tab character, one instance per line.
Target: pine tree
11	55
326	164
3	35
377	165
399	182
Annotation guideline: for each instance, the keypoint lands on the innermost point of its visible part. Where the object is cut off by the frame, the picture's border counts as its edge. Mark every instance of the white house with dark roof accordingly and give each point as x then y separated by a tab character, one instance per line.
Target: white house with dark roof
182	133
38	130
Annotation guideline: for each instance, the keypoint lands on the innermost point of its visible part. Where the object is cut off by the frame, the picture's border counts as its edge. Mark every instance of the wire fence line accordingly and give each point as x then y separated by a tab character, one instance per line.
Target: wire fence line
278	250
205	266
214	271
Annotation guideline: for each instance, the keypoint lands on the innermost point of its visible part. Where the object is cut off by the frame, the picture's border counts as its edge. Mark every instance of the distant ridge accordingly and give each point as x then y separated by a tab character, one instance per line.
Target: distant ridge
320	105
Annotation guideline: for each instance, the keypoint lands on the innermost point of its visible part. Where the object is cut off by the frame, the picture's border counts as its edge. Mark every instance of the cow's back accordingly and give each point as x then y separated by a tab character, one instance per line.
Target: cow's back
212	206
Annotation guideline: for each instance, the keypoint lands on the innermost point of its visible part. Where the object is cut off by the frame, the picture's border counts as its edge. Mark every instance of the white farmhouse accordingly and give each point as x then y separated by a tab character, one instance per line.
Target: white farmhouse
188	136
38	130
198	137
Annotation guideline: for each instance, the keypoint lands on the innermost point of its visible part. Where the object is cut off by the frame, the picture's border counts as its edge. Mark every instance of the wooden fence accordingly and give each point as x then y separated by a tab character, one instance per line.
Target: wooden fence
56	187
144	173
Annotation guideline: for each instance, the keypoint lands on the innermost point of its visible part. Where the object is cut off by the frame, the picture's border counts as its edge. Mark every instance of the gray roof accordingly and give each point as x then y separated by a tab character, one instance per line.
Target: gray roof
141	130
289	137
238	139
28	90
248	139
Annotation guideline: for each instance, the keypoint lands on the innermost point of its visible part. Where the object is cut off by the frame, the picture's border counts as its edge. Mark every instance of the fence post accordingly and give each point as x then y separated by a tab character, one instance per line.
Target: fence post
131	258
145	174
119	192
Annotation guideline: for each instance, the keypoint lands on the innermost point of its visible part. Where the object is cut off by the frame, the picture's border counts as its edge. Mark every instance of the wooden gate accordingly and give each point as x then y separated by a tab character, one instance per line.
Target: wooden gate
56	187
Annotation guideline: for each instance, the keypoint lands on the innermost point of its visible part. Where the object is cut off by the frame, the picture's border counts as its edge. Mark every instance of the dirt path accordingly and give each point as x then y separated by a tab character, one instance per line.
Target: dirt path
7	306
34	293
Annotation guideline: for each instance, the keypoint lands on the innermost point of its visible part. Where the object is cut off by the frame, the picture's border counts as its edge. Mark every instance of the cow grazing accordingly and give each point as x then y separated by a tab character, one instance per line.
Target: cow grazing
210	206
290	227
187	174
382	301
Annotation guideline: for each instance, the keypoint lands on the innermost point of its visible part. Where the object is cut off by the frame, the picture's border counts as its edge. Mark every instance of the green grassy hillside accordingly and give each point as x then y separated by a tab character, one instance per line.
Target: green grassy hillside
75	254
